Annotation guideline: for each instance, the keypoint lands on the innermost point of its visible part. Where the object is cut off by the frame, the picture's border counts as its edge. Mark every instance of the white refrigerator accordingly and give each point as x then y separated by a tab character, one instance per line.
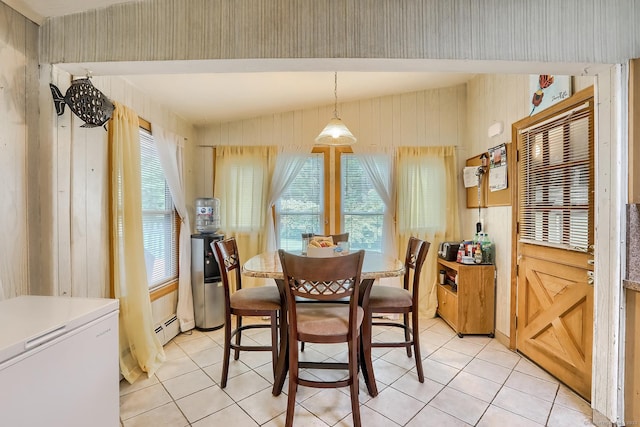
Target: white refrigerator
59	362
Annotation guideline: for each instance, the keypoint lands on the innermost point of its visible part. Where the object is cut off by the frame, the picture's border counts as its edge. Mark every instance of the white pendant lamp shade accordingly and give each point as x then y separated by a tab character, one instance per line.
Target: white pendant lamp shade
335	132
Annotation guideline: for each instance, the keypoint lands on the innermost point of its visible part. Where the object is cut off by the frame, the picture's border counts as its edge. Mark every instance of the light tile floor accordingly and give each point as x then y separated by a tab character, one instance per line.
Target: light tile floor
470	381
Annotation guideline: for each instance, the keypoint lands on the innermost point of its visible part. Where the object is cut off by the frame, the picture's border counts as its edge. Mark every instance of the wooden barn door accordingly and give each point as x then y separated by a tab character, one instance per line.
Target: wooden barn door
554	324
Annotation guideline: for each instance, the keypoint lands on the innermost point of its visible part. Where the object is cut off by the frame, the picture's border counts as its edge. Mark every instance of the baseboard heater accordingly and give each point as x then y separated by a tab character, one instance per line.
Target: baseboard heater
167	329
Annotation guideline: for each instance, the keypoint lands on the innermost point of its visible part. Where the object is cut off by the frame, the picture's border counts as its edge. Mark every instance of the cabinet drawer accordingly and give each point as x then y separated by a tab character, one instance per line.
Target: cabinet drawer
448	305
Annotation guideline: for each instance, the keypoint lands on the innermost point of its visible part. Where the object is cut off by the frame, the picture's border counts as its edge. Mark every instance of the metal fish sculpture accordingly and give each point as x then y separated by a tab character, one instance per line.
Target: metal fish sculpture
86	102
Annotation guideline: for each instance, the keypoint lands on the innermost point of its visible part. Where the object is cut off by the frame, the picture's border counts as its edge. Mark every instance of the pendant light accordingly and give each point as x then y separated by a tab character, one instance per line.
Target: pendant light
335	132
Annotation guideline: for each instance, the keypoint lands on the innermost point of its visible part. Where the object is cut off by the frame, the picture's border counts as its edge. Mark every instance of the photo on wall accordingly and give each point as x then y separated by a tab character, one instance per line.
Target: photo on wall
546	90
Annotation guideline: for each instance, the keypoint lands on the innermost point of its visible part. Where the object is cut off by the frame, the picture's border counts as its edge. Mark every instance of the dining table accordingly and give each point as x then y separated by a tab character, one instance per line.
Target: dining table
266	265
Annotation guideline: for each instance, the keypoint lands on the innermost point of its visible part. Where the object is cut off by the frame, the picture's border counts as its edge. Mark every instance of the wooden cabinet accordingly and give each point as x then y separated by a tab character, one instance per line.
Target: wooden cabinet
469	309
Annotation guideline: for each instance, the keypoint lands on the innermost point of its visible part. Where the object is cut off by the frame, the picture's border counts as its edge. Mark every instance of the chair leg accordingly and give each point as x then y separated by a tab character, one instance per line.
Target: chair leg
354	388
367	364
293	384
274	341
407	334
236	353
226	355
416	344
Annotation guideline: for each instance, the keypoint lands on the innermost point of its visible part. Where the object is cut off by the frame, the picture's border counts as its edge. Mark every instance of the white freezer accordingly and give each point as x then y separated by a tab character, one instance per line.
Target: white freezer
59	362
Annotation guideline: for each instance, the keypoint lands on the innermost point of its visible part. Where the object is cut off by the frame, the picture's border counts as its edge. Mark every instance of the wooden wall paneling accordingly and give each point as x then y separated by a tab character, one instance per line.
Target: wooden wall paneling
340	29
448	107
33	166
431	118
63	137
408	119
13	156
79	200
607	252
366	129
385	120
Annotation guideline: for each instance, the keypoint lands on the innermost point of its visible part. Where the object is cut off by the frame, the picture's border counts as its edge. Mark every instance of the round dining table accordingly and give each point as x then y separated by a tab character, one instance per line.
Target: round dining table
267	266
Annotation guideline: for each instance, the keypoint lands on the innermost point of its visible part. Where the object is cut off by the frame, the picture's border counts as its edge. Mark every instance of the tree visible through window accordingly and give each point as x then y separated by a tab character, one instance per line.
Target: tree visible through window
158	216
300	209
362	212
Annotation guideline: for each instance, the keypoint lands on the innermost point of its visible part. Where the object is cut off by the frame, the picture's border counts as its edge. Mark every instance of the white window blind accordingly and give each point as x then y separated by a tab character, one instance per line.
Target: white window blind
556	160
158	216
300	209
362	209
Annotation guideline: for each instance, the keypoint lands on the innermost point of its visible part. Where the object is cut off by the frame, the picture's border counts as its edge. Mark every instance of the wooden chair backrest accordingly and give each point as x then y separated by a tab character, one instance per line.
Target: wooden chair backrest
416	254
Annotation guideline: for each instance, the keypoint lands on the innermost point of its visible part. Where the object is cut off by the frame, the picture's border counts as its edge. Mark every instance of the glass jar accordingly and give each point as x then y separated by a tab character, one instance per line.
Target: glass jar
306	239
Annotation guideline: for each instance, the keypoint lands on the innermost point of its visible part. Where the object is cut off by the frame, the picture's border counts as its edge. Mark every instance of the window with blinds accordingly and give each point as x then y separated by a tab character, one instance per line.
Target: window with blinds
159	219
556	181
362	209
300	209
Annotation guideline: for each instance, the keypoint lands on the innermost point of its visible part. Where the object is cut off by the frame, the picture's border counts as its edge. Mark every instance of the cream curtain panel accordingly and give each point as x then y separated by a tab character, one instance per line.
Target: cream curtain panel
242	180
288	165
170	151
427	192
140	349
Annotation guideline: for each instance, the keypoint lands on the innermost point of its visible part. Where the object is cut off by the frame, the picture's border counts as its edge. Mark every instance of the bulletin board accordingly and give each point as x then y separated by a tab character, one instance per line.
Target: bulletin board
489	198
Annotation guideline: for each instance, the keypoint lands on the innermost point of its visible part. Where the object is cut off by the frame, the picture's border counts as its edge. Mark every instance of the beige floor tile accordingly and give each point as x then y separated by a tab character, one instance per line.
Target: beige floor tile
488	370
143	400
460	405
230	416
204	403
330	405
430	416
244	385
475	386
396	405
495	416
438	372
173	368
187	384
565	417
534	386
524	404
461	377
167	415
264	406
409	385
451	358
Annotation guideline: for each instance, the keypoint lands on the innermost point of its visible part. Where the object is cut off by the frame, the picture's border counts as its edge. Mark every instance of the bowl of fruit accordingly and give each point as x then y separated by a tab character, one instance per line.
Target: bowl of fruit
321	247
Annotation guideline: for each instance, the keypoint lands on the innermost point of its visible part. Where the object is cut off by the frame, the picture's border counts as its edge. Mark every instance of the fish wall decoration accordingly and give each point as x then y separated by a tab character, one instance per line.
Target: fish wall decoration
85	101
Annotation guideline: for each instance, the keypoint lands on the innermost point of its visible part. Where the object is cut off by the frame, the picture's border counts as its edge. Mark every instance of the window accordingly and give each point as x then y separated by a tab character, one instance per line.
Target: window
305	205
362	209
159	218
300	209
556	183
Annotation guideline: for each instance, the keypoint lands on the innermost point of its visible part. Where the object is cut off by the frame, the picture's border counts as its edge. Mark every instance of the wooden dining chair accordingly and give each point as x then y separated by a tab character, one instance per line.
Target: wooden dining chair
389	300
261	301
324	280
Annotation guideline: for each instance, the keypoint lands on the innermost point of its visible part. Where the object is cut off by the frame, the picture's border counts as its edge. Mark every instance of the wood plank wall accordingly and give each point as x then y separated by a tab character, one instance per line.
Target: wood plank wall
569	31
18	149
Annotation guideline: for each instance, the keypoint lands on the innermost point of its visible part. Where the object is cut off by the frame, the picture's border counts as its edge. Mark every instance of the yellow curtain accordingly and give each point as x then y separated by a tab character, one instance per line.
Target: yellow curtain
140	349
242	179
427	198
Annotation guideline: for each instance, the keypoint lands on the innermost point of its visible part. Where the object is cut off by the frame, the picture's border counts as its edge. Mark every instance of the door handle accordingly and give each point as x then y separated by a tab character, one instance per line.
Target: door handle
590	278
